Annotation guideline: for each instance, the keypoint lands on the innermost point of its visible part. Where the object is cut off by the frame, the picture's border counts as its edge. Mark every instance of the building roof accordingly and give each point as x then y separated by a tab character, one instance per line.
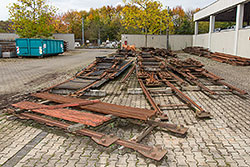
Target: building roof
217	7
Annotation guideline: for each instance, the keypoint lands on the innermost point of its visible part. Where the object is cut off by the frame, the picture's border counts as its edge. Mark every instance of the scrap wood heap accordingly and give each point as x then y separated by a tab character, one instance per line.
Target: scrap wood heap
220	57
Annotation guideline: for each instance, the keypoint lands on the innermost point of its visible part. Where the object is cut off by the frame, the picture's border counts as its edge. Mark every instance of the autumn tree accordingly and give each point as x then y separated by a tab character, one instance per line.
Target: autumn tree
73	20
5	27
32	18
182	20
59	24
147	15
100	23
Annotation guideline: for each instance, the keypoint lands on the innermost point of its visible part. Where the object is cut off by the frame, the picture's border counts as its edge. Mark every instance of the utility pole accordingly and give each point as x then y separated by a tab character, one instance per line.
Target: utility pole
82	31
167	32
99	37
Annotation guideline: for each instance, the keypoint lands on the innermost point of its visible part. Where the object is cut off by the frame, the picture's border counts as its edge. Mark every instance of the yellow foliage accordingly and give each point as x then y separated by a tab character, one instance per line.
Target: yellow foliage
148	15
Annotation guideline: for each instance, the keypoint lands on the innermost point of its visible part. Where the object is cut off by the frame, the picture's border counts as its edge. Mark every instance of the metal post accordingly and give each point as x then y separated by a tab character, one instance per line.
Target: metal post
82	31
196	30
239	25
167	33
211	30
99	37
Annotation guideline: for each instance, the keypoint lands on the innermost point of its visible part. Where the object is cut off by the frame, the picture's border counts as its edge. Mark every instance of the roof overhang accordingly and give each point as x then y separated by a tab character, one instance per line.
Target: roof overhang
216	7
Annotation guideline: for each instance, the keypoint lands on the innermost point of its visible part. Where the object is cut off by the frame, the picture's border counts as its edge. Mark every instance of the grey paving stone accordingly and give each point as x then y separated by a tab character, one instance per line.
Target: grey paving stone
221	141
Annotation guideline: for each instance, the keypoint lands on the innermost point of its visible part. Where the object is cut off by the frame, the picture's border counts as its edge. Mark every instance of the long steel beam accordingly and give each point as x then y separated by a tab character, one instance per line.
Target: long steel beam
200	112
128	74
155	153
149	97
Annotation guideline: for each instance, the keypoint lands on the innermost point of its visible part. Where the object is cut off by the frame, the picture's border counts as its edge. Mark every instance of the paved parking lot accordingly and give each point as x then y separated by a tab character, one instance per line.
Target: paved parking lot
22	76
25	75
221	141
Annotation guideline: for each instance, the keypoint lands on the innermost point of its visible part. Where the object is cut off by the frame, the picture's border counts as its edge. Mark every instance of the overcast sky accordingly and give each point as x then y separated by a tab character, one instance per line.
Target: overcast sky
65	5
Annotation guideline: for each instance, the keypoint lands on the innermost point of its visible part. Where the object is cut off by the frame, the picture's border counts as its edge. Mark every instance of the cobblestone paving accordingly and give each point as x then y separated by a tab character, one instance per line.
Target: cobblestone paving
29	74
221	141
236	75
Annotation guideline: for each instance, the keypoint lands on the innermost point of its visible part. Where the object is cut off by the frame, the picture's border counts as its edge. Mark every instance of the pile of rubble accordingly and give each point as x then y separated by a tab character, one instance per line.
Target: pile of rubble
220	57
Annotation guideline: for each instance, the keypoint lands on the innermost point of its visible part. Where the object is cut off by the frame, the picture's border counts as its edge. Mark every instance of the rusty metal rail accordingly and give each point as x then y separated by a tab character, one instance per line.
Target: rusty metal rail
200	112
156	153
101	107
62	113
157	74
192	70
149	97
220	57
100	114
97	73
121	111
128	74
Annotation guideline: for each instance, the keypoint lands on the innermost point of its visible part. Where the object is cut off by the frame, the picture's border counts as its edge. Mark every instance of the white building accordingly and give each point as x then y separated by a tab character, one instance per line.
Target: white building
234	40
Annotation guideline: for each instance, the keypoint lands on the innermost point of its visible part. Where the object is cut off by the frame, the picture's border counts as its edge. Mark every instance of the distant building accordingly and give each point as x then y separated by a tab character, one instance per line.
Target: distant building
234	40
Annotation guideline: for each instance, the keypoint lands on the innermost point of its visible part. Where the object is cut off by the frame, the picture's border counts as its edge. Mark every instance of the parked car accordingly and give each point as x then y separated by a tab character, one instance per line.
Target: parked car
77	44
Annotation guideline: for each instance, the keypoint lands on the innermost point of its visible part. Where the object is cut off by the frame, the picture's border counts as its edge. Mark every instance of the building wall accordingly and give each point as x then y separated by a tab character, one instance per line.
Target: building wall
179	42
216	7
133	39
157	41
70	38
176	42
244	43
223	42
8	36
201	40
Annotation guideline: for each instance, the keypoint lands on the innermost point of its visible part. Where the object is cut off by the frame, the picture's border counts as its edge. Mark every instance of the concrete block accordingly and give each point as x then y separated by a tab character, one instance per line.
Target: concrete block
157	90
214	88
98	93
168	90
191	88
8	54
134	91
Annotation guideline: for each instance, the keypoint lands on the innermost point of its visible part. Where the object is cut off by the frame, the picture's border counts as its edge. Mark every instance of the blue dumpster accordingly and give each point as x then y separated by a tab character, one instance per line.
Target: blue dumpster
38	47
